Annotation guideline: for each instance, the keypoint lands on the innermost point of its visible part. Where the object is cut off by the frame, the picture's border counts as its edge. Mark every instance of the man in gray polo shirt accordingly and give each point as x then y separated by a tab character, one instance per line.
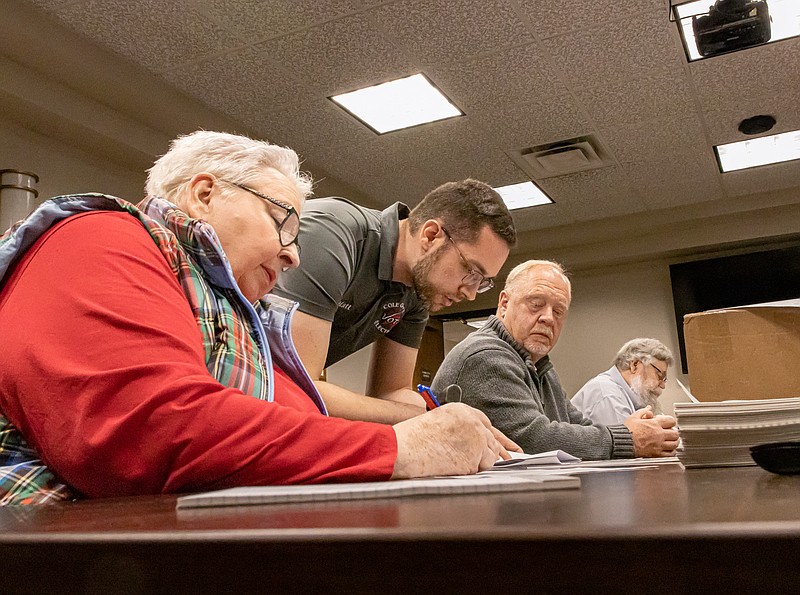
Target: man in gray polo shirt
370	276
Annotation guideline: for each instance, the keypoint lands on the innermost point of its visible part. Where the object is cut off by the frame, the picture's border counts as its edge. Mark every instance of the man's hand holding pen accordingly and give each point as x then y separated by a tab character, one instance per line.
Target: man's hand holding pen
454	439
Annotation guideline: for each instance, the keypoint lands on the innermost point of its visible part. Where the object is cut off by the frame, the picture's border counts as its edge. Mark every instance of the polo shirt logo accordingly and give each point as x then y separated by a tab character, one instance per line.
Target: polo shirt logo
391	315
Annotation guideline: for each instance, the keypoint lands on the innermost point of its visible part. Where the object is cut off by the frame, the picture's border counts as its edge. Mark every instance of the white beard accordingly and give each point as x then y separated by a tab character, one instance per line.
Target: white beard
648	397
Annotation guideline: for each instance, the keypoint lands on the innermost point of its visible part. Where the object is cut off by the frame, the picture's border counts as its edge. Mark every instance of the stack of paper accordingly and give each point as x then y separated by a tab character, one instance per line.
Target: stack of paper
558	462
719	434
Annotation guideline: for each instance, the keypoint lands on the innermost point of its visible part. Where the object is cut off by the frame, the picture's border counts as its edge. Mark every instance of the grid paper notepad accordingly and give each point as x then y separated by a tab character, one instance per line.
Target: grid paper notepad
482	483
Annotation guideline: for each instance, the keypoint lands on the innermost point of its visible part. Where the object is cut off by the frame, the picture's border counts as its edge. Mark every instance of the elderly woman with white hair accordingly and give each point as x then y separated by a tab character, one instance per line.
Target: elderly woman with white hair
141	354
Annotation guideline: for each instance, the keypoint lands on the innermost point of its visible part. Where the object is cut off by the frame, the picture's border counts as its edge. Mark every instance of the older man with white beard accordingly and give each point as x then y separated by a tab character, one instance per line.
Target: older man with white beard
634	381
505	371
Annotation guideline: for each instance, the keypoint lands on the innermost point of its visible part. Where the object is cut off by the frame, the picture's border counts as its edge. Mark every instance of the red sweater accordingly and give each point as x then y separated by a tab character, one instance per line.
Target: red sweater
103	372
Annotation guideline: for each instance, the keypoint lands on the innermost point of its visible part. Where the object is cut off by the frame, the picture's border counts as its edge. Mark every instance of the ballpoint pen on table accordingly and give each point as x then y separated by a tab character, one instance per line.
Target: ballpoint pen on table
427	394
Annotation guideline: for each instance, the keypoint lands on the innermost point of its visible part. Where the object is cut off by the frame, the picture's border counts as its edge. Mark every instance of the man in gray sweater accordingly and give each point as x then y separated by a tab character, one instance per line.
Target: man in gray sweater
504	370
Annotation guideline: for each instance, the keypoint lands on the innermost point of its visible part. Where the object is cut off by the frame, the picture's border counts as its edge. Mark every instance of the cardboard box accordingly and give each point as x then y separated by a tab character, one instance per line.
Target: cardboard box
751	352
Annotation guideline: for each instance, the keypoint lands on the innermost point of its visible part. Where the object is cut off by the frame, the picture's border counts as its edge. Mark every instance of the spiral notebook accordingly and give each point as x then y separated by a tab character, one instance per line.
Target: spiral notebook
482	483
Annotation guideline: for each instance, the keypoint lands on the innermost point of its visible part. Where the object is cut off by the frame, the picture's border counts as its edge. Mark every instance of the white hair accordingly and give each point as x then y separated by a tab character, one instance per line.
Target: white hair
643	350
227	156
518	274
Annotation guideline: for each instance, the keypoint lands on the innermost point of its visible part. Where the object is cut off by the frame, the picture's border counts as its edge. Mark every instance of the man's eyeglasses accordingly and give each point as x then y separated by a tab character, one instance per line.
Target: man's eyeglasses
662	376
289	227
473	277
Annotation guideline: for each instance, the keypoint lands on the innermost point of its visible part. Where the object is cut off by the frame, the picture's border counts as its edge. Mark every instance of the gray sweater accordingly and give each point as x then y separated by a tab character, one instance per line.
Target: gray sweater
524	400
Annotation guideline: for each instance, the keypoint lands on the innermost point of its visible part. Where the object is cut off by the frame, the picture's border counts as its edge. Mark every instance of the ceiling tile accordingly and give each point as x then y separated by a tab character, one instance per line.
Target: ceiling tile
618	51
434	31
666	137
264	19
317	124
723	115
541	121
770	69
652	96
514	97
760	80
158	36
664	183
541	217
517	75
593	194
410	187
556	17
53	5
239	83
378	172
440	149
339	56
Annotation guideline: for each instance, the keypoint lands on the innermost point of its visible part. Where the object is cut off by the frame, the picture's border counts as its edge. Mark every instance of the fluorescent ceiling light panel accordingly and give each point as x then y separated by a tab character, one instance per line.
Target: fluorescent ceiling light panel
397	104
759	151
784	21
524	194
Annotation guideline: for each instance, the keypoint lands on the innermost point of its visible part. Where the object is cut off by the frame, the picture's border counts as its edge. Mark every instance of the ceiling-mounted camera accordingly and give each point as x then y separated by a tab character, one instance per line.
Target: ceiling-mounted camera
731	25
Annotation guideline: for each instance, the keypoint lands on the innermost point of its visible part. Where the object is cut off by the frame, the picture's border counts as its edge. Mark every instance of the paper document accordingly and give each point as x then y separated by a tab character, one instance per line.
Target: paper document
583	467
461	484
794	303
520	460
558	462
692	398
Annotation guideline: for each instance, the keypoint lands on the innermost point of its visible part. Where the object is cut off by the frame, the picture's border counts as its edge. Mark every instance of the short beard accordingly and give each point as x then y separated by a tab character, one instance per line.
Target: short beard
420	277
648	397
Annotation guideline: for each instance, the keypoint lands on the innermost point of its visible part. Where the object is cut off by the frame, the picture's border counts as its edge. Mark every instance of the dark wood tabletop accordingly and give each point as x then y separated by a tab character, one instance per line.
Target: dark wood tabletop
657	530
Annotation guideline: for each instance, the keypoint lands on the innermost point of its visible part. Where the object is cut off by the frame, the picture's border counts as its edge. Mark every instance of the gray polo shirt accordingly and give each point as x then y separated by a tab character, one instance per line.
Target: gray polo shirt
345	276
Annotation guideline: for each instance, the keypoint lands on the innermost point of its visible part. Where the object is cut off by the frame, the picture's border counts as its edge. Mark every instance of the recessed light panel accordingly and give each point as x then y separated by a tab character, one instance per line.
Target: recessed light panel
759	151
524	194
398	104
784	21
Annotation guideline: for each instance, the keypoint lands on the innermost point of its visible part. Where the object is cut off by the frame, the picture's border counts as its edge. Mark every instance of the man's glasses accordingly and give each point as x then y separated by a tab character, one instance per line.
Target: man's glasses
289	227
662	376
472	277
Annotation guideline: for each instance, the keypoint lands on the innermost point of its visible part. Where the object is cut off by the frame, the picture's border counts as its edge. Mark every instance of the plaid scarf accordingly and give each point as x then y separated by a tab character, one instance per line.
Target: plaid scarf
236	347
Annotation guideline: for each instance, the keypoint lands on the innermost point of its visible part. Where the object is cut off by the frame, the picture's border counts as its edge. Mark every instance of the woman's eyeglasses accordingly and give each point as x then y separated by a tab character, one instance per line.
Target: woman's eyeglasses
289	227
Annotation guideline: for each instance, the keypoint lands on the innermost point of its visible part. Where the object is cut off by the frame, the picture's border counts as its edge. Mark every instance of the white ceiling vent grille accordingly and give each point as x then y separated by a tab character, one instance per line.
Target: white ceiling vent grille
562	158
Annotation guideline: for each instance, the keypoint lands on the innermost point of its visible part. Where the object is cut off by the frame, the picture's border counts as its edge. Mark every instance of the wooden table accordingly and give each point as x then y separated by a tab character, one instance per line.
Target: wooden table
660	531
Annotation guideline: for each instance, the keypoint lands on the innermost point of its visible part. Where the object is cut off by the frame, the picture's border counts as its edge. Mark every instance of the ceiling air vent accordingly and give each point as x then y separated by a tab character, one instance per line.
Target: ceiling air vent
562	158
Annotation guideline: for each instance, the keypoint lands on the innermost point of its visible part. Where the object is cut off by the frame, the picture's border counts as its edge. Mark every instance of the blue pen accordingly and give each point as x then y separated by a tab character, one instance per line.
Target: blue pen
427	394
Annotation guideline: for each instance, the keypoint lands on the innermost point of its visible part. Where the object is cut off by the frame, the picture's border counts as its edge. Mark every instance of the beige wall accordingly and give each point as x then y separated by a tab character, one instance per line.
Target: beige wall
609	307
351	372
63	169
